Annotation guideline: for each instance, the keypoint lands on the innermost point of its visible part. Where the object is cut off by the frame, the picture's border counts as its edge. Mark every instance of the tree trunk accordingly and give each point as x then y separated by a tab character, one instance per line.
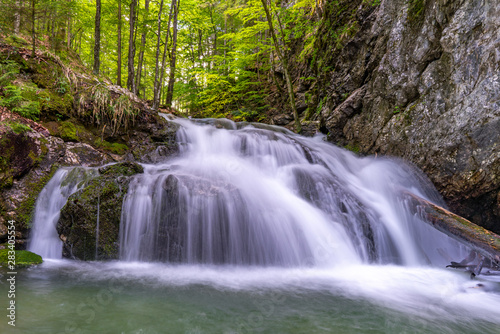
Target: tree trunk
141	52
156	85
471	235
163	61
284	63
97	37
68	35
119	46
33	31
226	70
131	47
200	46
17	17
173	56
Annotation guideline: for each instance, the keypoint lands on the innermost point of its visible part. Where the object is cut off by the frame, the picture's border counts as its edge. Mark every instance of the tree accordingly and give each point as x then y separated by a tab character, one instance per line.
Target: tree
156	93
131	47
33	31
119	46
17	17
143	47
173	55
97	37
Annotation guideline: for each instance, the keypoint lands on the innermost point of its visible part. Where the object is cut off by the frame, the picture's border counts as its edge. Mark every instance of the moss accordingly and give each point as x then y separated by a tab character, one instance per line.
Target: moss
352	147
116	148
416	9
16	40
123	168
23	258
53	104
67	131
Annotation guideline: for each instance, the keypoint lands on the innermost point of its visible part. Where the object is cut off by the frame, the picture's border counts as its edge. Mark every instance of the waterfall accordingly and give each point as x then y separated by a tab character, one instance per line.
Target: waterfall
44	239
251	194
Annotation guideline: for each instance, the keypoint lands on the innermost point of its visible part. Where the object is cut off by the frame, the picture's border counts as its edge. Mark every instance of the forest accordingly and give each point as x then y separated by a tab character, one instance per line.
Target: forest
203	58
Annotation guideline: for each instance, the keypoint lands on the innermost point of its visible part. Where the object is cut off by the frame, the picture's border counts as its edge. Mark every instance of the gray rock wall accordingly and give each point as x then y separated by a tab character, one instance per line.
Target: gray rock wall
422	83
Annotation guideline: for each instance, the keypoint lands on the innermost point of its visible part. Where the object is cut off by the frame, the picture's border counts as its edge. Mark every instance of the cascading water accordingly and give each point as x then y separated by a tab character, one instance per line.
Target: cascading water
44	238
265	231
261	195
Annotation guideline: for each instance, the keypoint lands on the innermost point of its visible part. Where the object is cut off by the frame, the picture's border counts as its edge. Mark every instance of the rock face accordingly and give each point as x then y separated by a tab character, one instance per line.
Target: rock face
418	80
31	157
90	221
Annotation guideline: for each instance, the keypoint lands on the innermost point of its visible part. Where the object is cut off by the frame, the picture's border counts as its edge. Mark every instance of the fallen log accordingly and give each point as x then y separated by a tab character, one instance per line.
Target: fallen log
477	238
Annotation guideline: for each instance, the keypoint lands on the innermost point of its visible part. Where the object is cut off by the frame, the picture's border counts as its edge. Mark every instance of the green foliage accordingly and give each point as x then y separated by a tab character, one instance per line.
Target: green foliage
9	69
353	148
107	110
22	258
62	86
320	105
415	9
14	100
373	3
225	58
17	127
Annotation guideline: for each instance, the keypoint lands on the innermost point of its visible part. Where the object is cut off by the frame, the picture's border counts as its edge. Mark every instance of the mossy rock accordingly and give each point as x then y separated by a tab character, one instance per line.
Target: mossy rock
55	105
23	258
115	148
99	201
67	131
123	168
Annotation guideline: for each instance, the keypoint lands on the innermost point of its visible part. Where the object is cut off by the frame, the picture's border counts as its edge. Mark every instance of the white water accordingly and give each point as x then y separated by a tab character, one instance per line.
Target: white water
261	213
265	196
44	238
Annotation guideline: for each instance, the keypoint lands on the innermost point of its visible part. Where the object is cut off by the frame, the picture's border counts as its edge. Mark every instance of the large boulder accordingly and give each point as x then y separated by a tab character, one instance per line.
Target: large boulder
90	221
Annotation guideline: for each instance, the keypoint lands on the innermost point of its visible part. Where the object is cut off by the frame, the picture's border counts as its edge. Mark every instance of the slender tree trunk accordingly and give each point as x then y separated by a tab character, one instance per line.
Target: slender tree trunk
33	31
156	88
164	58
131	47
119	46
225	46
214	46
200	46
68	35
284	62
17	17
141	52
97	37
173	56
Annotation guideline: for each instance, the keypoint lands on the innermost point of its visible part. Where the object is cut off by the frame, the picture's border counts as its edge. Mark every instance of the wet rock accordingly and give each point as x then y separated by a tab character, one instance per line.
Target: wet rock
282	119
153	141
90	221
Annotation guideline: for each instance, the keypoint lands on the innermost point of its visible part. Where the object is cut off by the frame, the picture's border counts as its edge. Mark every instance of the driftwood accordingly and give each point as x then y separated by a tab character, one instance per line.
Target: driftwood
481	241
